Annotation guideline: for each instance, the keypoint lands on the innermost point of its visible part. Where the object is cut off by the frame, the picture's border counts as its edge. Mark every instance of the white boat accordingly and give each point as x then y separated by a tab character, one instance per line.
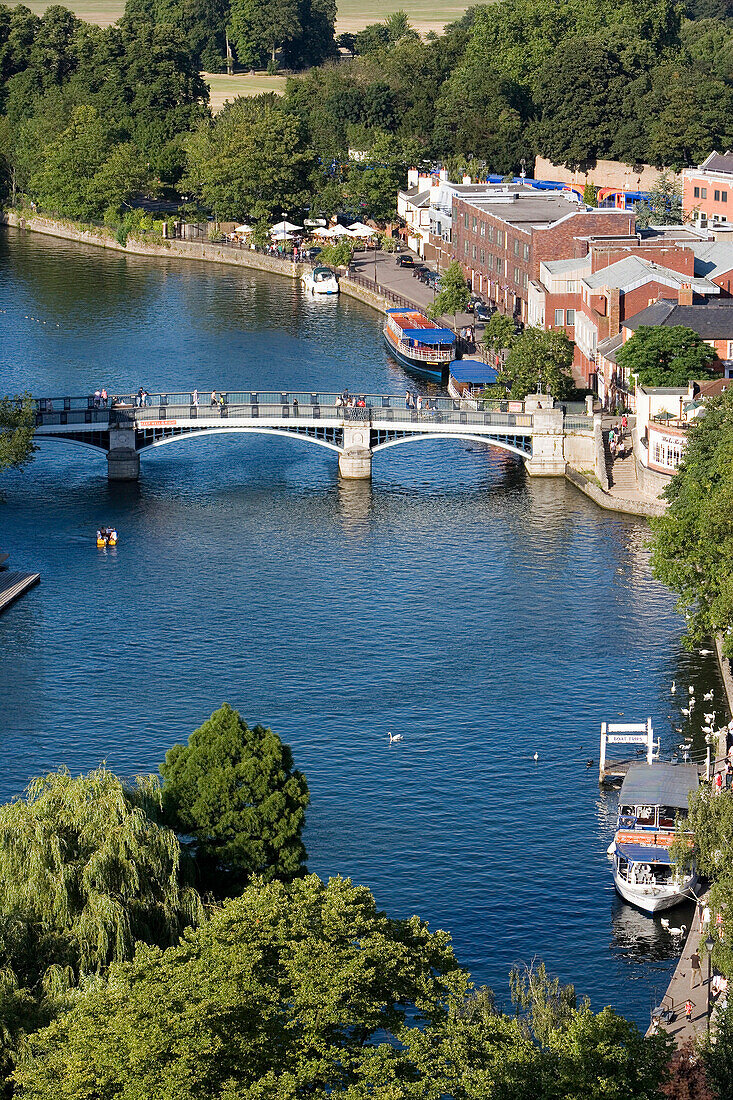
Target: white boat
321	280
652	799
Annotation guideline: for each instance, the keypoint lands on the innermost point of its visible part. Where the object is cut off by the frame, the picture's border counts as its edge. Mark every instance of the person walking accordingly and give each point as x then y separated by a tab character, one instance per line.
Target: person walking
213	398
407	399
195	397
696	971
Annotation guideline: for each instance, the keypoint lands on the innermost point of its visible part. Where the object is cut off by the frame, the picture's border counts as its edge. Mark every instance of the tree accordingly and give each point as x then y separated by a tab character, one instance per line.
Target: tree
666	355
84	864
258	28
252	161
664	204
337	255
235	791
289	990
687	1078
372	184
17	425
692	549
316	42
453	295
538	358
499	332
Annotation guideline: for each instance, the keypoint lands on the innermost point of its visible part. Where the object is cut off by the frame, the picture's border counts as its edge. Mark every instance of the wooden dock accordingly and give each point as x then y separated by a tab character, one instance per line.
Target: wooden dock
14	585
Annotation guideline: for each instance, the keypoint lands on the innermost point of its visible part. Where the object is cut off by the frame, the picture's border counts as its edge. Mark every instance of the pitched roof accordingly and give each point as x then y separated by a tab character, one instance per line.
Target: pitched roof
711	320
659	785
633	271
713	258
719	162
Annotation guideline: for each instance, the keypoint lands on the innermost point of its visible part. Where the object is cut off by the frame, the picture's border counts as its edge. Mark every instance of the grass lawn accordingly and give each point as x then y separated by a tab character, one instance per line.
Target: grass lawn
225	87
352	14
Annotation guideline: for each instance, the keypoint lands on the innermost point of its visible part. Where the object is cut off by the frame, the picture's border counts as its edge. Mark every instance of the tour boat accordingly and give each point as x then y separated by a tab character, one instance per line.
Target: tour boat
321	280
652	799
418	343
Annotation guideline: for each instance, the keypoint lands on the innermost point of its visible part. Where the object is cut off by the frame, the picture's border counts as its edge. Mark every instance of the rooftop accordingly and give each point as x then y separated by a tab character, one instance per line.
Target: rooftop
711	320
417	197
559	267
659	785
634	271
719	162
713	257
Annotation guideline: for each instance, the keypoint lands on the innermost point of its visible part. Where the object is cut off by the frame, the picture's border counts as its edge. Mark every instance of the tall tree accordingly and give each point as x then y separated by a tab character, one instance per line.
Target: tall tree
234	789
662	355
453	295
693	541
258	28
17	425
538	358
85	865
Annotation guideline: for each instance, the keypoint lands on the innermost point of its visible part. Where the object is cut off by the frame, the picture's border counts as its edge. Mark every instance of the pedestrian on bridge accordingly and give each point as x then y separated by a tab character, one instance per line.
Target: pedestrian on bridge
195	397
407	399
213	398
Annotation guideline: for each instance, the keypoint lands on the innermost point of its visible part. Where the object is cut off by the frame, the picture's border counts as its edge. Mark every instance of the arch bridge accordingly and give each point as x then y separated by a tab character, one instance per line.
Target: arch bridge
123	427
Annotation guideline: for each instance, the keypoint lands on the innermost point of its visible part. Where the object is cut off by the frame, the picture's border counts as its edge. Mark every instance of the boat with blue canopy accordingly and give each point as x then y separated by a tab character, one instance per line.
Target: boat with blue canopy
418	343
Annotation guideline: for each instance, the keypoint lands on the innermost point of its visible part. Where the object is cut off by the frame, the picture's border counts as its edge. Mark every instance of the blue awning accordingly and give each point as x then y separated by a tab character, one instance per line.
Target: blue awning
642	853
472	370
430	335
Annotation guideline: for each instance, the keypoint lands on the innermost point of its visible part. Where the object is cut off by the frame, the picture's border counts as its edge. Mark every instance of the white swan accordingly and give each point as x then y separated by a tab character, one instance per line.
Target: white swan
685	711
536	756
705	652
708	696
691	690
673	689
395	737
710	717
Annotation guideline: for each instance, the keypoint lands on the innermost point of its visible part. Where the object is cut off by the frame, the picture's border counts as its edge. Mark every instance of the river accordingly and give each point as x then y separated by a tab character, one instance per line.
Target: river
483	615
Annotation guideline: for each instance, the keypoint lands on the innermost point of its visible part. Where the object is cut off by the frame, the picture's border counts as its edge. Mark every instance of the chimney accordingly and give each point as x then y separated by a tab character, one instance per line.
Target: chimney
413	177
684	296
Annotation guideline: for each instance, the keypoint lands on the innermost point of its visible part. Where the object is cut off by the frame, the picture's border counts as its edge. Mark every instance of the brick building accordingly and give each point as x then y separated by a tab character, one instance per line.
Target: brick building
707	191
501	238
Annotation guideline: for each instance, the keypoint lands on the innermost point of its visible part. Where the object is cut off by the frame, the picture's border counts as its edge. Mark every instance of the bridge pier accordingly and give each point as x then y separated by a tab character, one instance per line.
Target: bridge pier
548	442
123	460
355	461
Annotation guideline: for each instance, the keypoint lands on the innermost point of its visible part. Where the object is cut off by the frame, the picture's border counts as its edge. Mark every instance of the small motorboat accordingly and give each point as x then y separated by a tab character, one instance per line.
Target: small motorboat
321	280
106	536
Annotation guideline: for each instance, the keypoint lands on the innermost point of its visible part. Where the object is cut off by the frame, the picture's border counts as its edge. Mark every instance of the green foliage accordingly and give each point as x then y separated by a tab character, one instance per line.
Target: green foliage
590	195
251	161
666	356
453	294
83	861
499	332
201	24
337	255
17	425
717	1058
692	550
664	205
547	1006
538	358
287	991
258	28
371	185
235	791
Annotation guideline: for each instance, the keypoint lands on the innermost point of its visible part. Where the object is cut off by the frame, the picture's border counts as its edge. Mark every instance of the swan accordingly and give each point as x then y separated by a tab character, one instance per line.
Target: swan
673	689
705	652
536	756
691	690
708	696
685	711
395	737
710	717
676	931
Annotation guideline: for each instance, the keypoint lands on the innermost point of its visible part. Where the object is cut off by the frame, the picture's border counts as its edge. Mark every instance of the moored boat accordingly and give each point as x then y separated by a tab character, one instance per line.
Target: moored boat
321	280
418	343
652	800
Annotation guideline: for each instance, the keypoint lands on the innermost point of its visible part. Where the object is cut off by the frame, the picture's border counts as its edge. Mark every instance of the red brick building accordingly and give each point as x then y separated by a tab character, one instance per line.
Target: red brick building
501	239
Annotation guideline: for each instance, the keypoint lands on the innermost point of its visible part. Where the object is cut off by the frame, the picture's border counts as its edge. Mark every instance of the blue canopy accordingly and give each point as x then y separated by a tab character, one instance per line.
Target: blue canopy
642	853
430	335
472	370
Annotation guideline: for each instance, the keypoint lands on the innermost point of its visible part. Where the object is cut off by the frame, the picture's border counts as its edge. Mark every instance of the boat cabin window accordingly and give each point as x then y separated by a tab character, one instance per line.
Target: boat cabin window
645	815
668	817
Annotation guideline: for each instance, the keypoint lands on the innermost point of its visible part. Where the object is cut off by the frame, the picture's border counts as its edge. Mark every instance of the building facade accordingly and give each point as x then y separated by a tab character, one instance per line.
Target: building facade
707	191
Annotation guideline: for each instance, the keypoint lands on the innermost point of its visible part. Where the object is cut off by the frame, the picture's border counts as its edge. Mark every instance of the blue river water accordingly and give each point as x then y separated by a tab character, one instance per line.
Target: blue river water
483	615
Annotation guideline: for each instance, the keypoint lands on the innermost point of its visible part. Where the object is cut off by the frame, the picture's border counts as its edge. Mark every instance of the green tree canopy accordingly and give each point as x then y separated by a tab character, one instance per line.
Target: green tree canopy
17	425
258	28
499	331
693	541
666	356
537	357
84	864
252	161
453	295
235	791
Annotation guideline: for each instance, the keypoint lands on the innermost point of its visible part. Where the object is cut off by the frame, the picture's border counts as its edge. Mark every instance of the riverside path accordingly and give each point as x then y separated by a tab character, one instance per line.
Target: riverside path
123	428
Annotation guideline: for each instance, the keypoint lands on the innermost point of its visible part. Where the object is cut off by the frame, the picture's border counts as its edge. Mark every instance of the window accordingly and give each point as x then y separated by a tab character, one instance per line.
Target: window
517	275
704	192
559	318
499	265
697	192
482	229
524	280
473	252
465	221
489	261
483	255
526	252
516	248
500	237
724	196
465	248
570	316
716	196
490	232
474	223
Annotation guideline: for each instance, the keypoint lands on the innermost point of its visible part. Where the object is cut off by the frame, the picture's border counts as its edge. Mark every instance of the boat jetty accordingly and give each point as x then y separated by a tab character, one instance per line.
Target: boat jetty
13	584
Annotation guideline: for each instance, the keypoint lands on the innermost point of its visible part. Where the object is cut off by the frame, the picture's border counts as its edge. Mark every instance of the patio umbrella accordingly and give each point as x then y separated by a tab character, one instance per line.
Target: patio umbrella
242	228
340	231
361	231
665	416
281	235
285	227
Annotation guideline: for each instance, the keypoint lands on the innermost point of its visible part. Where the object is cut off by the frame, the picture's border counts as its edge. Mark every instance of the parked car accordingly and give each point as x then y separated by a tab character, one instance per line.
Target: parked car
420	271
481	312
405	261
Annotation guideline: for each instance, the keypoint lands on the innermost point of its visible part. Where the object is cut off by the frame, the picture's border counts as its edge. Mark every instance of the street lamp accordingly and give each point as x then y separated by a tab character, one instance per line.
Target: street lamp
709	945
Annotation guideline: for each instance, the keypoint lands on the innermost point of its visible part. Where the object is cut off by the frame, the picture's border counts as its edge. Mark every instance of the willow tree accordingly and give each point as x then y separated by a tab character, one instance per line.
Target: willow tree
234	789
88	871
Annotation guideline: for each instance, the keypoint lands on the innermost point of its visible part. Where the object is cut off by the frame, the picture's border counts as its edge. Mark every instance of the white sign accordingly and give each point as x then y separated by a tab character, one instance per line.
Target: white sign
626	739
